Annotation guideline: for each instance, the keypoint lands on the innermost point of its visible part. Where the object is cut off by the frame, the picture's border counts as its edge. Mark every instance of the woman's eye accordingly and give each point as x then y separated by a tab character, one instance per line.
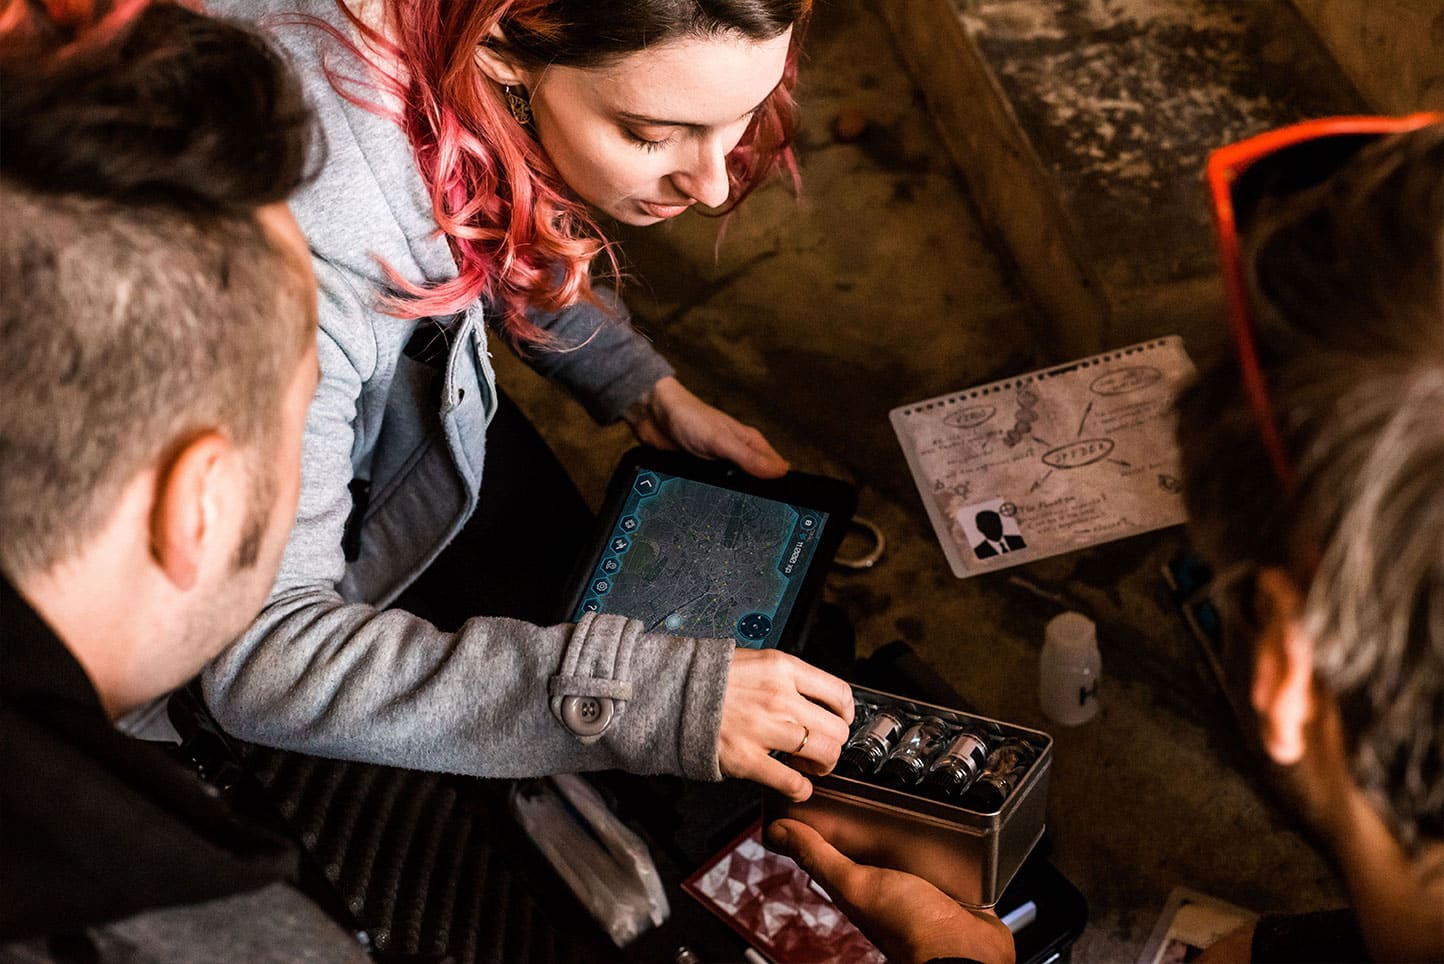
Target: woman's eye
647	143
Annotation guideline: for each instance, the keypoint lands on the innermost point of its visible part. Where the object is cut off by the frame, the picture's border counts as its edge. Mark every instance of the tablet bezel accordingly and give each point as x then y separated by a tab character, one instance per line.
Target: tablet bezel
824	494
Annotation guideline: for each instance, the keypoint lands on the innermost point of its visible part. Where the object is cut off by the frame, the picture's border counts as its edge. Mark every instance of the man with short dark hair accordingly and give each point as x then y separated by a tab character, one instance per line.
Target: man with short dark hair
157	358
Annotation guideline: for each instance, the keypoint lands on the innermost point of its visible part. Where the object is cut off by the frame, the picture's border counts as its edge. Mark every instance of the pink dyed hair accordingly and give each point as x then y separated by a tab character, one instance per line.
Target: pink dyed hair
520	238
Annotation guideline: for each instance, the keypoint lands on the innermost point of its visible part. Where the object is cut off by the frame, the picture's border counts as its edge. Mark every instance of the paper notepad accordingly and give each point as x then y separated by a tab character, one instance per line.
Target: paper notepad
1051	461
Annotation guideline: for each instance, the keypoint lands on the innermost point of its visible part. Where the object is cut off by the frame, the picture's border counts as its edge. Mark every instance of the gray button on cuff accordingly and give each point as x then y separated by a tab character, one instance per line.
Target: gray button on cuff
586	715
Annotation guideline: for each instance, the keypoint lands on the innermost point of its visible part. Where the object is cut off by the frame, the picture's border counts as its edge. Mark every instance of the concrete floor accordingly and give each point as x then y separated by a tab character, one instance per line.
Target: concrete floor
878	288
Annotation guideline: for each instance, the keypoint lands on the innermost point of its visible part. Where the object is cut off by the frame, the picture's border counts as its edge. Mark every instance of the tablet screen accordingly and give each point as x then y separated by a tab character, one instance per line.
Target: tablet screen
694	559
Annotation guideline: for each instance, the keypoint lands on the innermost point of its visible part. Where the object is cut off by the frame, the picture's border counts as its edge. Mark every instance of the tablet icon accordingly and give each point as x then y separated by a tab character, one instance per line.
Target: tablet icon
602	586
610	564
754	626
646	484
629	523
621	544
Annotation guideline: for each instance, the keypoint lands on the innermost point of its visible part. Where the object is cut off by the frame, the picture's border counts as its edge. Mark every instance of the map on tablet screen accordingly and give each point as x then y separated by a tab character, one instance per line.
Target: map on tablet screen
694	559
693	547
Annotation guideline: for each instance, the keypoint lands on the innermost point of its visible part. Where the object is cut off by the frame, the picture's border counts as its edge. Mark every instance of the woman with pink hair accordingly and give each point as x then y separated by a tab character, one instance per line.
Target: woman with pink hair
471	147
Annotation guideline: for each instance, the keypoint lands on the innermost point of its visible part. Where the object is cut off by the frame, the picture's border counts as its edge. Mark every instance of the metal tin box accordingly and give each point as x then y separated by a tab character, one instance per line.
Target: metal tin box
969	854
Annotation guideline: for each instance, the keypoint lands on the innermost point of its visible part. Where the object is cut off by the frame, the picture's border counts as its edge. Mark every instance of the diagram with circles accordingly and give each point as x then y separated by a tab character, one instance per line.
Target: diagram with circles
1050	461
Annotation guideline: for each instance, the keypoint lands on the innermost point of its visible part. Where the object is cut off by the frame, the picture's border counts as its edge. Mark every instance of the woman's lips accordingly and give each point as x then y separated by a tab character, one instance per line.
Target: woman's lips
664	210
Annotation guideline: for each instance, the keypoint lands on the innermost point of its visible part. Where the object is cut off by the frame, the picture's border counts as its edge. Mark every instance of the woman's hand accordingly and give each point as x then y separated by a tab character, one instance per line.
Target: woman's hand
909	919
777	702
671	417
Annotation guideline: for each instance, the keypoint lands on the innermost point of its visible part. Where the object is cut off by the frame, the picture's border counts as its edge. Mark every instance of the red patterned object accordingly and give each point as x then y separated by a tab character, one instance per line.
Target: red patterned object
772	903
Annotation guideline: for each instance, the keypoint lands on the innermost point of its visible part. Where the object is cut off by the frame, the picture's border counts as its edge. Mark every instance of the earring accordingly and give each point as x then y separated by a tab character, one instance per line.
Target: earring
518	104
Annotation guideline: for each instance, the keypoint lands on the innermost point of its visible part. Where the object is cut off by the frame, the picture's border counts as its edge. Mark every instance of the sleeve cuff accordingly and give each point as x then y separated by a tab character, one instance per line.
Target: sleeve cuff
660	696
612	400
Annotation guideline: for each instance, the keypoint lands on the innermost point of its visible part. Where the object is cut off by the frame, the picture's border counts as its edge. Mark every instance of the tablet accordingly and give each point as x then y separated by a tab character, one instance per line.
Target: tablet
699	548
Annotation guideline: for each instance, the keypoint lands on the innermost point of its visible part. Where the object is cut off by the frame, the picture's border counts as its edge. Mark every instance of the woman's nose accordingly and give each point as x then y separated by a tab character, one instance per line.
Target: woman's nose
705	179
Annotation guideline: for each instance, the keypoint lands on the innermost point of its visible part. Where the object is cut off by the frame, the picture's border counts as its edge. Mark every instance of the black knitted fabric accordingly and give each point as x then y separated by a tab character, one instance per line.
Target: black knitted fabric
431	866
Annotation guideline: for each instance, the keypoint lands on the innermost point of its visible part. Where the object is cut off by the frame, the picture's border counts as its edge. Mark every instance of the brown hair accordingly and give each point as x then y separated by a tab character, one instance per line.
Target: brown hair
1347	284
144	302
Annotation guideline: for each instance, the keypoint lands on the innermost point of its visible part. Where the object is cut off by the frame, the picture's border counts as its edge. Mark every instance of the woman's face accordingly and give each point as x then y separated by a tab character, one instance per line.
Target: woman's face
648	136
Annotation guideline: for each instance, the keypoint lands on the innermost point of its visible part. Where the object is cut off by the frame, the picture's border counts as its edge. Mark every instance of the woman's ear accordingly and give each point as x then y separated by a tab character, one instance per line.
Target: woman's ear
1282	691
497	65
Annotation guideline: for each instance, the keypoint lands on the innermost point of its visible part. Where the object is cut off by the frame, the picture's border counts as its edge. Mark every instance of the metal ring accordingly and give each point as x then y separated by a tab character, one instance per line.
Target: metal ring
806	735
868	559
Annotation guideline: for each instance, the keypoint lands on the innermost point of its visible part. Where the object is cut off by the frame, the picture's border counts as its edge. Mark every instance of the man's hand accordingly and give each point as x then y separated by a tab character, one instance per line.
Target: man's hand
671	417
777	702
909	919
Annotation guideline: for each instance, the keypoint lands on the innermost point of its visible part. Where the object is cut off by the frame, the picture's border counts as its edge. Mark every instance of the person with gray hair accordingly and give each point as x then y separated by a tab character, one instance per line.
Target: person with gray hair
1314	465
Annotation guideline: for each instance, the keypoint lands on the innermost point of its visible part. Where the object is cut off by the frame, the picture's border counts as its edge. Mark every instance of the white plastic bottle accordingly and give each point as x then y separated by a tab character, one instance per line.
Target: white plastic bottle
1069	669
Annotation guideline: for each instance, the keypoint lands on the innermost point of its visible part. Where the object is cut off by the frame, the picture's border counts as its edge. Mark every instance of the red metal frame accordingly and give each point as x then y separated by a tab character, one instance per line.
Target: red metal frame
1225	165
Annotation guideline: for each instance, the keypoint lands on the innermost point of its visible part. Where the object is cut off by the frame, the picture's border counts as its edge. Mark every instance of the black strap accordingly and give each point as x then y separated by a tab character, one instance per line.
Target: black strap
209	752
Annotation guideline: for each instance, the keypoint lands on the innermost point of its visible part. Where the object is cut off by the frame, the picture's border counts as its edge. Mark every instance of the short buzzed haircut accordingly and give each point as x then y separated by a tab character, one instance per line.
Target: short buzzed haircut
141	300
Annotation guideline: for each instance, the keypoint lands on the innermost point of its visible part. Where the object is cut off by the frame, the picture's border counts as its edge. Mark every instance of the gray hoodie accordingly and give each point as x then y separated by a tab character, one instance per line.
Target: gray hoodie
327	668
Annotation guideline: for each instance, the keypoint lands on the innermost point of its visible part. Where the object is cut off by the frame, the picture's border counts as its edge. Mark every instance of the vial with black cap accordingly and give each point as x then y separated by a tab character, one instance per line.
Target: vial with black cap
870	745
914	750
953	771
1001	775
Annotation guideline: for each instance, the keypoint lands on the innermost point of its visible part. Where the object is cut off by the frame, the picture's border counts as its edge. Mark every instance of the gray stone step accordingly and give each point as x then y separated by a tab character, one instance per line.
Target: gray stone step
1083	125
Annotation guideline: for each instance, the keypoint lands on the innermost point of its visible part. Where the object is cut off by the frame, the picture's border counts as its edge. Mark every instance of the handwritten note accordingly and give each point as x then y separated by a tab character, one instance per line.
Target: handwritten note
1050	461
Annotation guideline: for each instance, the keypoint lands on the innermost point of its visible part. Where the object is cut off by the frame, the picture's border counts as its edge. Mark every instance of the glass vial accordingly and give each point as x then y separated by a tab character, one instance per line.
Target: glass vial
861	712
869	745
955	769
1001	775
915	749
